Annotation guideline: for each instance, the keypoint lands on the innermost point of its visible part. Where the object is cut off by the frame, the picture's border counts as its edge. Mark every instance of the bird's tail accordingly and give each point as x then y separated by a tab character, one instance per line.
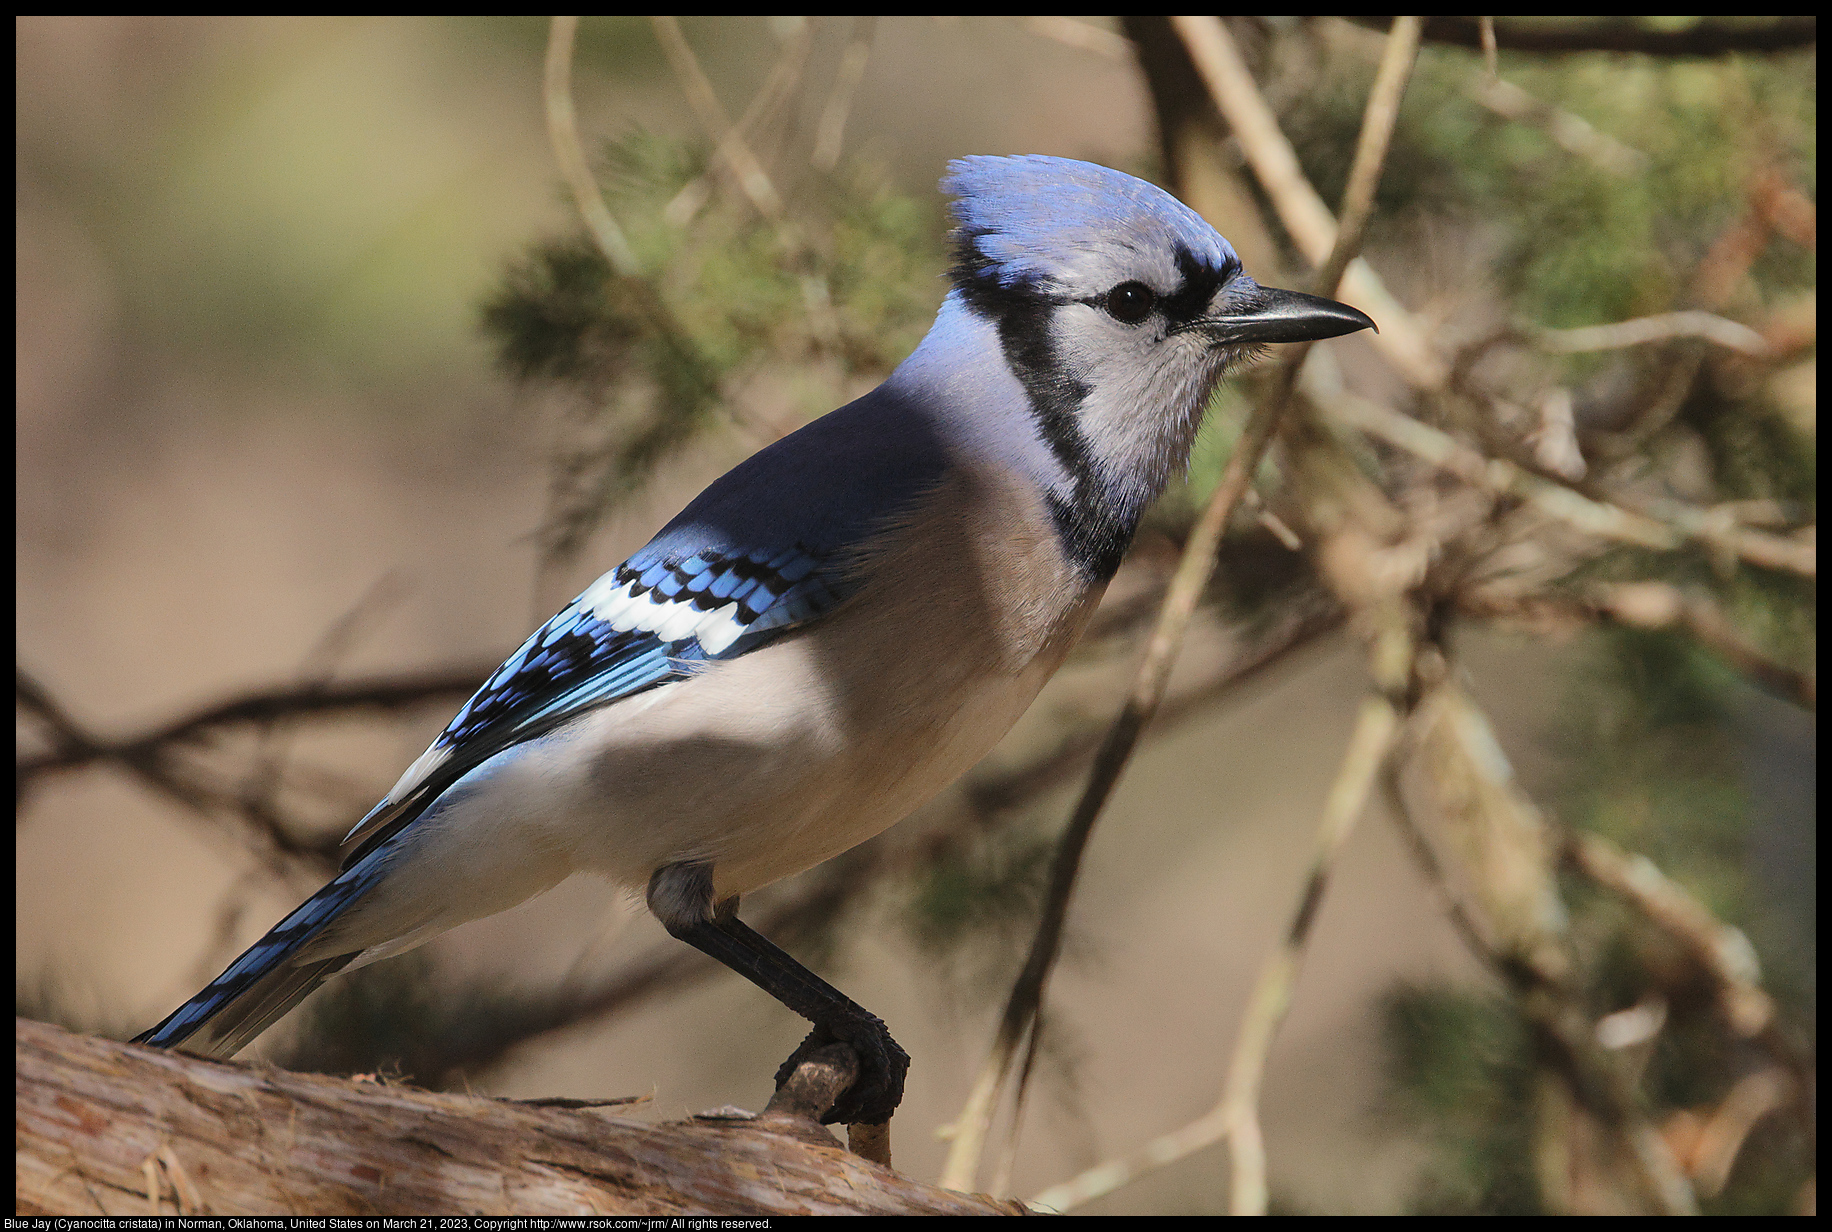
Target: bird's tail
268	979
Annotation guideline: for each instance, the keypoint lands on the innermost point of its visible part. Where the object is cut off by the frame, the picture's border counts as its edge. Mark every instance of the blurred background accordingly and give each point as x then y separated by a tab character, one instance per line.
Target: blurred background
324	401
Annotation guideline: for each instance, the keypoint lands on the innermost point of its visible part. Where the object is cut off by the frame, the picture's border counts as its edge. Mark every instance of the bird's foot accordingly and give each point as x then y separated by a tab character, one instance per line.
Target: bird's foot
878	1089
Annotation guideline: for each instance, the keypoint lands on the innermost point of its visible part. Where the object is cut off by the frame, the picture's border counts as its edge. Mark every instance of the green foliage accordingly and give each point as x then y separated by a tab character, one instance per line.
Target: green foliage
1578	244
1650	740
727	302
1651	761
974	900
552	311
1461	1073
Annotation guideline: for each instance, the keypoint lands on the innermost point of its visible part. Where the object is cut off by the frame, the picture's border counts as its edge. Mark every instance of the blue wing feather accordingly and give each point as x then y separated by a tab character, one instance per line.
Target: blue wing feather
775	543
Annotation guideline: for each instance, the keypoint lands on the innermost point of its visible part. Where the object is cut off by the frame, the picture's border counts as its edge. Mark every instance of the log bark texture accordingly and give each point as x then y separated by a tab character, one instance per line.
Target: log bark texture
108	1128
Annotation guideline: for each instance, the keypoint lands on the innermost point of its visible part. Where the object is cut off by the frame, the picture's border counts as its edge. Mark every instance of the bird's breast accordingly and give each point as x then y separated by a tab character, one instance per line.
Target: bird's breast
767	764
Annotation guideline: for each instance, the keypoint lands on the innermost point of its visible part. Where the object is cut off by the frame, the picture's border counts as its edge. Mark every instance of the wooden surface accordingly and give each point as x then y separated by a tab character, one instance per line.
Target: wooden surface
100	1124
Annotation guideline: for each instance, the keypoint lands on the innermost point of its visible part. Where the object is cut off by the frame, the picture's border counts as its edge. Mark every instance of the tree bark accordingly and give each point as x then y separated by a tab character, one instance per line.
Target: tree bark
108	1128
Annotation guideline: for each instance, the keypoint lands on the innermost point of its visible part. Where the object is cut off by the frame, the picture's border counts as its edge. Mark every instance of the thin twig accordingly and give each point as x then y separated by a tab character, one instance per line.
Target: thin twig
732	148
1402	338
1234	1117
1721	949
783	76
1142	700
1510	851
1571	131
1193	572
268	836
1373	736
1461	916
563	134
1720	1136
762	125
830	132
988	792
1657	605
261	786
1722	331
607	236
1661	526
753	180
78	747
161	758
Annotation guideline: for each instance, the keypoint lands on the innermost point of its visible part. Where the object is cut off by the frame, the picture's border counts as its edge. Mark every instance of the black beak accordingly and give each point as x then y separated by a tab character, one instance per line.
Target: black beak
1287	316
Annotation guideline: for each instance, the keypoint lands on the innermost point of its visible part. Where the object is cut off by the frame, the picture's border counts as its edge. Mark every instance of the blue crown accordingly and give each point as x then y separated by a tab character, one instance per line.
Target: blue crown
1017	216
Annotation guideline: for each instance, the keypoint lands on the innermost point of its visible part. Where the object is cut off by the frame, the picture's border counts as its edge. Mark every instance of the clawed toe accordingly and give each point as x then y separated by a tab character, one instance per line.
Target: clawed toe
878	1089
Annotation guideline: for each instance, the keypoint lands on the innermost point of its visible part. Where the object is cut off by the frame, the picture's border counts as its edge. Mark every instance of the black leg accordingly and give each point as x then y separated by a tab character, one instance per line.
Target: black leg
679	891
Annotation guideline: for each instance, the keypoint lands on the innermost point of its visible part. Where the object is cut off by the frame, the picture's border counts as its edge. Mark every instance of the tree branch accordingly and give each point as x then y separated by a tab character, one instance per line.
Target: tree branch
106	1128
1707	36
1186	587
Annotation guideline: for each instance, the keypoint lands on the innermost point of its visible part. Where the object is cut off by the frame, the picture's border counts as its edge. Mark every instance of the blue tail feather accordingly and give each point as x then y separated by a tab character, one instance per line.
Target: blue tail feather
265	982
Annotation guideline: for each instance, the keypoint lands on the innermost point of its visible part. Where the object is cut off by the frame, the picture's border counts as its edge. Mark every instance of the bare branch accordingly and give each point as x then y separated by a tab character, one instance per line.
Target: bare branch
1662	525
1461	916
752	179
732	148
1719	1136
1236	1116
1570	131
1402	338
1509	850
367	693
1705	36
830	133
1723	950
563	134
1193	572
988	793
1659	605
1659	328
1368	746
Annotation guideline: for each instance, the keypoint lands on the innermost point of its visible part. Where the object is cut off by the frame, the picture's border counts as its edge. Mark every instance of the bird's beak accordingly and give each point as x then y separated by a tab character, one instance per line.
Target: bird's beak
1286	316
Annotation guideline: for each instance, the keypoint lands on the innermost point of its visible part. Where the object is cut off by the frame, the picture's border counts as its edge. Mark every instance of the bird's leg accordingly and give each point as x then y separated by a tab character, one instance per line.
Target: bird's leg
681	897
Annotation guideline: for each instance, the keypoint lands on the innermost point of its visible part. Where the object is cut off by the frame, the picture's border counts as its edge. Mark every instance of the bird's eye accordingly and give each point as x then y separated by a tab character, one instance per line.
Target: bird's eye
1131	302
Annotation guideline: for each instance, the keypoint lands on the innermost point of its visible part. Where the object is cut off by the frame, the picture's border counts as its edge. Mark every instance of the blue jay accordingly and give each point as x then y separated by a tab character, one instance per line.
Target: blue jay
830	633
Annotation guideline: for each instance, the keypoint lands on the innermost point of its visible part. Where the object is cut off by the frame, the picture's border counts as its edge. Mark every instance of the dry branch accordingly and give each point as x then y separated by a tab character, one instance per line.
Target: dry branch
1193	570
1660	525
563	135
76	746
1706	36
1403	339
99	1125
1659	605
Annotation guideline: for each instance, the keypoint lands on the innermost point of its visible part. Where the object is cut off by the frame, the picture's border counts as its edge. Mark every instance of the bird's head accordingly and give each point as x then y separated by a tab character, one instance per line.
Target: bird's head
1117	308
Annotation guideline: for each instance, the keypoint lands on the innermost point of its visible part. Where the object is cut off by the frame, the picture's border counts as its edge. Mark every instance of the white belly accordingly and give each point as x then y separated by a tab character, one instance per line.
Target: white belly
770	763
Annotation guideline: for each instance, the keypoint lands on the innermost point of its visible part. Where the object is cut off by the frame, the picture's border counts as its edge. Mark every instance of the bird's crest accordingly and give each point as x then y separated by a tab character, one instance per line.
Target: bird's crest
1057	222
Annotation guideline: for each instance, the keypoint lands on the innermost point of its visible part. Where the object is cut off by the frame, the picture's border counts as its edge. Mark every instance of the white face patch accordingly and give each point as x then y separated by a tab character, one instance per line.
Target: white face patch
1102	266
1146	394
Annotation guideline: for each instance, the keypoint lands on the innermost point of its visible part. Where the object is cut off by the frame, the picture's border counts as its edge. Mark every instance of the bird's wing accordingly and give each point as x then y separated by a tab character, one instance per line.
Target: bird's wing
651	620
782	540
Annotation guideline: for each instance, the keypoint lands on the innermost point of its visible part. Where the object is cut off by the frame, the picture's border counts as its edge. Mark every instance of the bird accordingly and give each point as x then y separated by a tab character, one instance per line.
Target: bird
831	632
